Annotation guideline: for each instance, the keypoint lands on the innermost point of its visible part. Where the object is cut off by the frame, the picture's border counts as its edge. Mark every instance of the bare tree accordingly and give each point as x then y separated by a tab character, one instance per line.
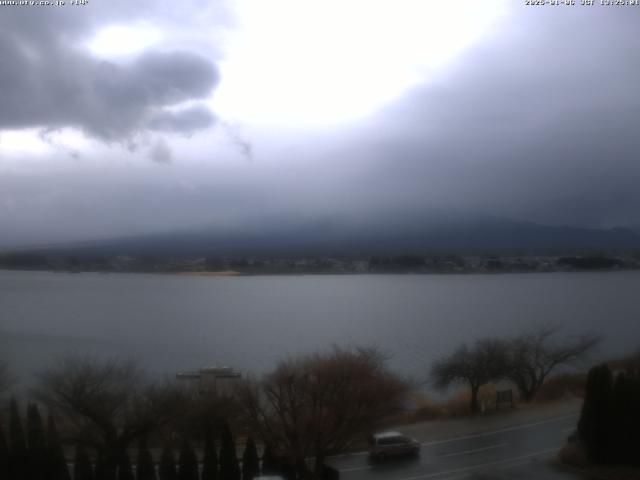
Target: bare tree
202	413
105	403
486	361
536	353
317	405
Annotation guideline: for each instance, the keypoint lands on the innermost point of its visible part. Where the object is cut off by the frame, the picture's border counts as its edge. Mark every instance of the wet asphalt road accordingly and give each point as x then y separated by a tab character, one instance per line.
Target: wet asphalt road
518	452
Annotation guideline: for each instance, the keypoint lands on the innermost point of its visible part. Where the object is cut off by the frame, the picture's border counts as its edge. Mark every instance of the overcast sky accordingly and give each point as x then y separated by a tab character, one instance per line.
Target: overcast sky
122	117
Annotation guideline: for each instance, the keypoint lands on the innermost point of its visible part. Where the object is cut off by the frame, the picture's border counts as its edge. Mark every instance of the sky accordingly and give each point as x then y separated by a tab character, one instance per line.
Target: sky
122	118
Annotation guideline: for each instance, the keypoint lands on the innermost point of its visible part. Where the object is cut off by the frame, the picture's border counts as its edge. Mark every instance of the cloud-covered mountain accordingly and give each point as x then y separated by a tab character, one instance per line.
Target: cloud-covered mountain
459	235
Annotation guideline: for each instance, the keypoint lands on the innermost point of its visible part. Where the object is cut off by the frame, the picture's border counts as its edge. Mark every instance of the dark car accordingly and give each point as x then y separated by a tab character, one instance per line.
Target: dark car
392	444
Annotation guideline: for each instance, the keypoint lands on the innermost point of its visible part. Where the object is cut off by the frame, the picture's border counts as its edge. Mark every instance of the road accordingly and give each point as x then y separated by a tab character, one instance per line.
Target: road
515	452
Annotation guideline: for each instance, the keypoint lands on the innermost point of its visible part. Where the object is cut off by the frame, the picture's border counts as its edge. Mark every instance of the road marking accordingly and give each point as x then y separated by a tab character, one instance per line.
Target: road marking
465	452
482	465
354	469
502	430
478	435
455	454
571	429
517	463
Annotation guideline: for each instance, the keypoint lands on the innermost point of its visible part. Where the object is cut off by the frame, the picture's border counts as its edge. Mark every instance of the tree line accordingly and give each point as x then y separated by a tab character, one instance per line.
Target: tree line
37	453
309	407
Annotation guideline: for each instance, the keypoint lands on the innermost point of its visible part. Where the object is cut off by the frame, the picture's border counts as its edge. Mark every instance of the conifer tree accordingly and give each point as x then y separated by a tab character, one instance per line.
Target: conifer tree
145	469
594	425
622	411
82	469
250	461
18	457
125	472
229	468
270	464
4	455
634	420
37	446
56	462
168	465
188	463
210	460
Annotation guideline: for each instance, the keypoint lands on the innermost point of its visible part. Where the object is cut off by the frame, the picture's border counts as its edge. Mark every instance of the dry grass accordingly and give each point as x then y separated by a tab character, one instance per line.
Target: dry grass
561	387
426	409
457	406
557	388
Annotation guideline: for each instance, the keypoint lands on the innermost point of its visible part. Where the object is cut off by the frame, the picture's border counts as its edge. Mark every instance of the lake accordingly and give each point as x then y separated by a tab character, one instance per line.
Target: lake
172	323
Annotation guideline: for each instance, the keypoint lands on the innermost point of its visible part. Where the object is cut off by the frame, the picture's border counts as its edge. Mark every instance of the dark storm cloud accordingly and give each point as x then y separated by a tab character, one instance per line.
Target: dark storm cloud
539	122
48	82
173	78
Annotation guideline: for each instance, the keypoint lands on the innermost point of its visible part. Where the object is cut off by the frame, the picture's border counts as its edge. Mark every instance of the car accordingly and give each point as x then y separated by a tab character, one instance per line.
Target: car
392	444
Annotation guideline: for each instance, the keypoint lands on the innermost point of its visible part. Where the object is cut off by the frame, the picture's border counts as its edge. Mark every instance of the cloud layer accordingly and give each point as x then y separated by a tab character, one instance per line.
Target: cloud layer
48	80
537	122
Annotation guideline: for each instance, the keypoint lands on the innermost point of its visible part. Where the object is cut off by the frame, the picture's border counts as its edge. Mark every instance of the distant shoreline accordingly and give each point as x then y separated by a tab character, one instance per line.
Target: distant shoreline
225	273
399	273
234	273
329	265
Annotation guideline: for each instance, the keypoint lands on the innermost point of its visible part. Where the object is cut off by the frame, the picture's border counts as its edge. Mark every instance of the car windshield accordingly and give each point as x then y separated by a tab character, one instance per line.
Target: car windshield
390	439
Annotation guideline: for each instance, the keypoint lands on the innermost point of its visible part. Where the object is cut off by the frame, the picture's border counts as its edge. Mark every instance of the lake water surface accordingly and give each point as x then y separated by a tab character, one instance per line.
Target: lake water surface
174	323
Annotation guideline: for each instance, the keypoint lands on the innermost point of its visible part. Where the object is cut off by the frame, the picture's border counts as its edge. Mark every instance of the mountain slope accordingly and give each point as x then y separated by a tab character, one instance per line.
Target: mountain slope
337	237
